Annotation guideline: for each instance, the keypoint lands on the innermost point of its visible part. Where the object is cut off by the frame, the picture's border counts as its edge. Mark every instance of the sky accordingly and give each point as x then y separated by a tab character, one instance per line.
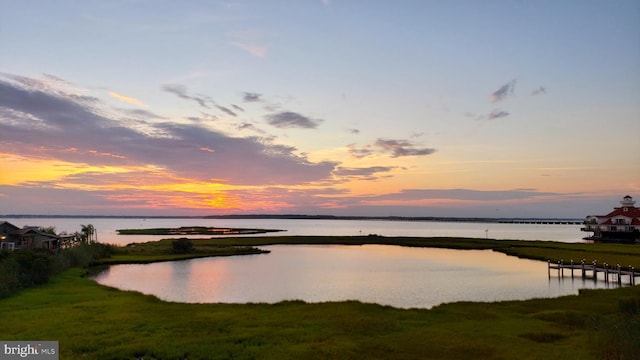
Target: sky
323	107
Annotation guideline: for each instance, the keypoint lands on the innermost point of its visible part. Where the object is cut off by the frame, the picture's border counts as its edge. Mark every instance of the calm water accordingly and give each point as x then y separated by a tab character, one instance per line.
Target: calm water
107	228
389	275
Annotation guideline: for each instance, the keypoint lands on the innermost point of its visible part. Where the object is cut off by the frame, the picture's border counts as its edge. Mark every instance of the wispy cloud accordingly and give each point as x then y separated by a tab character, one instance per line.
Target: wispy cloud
256	50
539	91
226	110
181	92
249	126
202	100
504	91
127	99
141	114
360	153
249	41
465	194
251	97
398	148
365	173
392	147
289	119
497	114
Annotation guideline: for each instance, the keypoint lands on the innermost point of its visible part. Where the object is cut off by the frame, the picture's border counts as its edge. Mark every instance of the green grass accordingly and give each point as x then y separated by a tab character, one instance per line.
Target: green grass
95	322
623	254
155	251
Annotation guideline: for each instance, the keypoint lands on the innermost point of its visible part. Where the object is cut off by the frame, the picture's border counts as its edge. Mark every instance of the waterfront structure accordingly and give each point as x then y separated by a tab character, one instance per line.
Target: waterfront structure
620	225
13	237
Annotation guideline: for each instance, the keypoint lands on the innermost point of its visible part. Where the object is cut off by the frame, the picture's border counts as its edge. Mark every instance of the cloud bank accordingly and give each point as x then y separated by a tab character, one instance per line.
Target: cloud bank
46	122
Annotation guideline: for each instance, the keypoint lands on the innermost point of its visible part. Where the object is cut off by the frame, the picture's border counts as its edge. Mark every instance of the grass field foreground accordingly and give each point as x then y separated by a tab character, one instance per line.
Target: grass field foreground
96	322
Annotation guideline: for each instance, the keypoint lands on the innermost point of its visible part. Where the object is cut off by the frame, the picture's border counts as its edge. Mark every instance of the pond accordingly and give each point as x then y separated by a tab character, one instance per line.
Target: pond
398	276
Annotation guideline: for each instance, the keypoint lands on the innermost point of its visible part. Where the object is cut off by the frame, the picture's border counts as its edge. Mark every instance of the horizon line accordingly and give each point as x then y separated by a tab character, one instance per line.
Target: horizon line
293	217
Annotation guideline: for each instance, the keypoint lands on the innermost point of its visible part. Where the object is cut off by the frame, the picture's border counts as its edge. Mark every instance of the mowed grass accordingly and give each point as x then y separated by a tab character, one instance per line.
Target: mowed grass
95	322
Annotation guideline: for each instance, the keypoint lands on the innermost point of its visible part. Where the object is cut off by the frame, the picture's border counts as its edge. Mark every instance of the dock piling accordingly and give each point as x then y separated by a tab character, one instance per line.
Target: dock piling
572	268
610	273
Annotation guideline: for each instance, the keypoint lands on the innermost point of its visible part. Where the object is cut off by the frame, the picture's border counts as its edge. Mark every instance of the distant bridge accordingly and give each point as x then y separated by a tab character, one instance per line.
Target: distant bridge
540	221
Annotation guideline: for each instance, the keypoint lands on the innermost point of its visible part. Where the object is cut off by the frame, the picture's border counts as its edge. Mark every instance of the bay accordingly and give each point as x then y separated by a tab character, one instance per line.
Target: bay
106	228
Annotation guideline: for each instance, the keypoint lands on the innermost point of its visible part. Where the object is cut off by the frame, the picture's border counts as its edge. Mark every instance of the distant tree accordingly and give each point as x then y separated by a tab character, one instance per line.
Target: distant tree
88	233
48	230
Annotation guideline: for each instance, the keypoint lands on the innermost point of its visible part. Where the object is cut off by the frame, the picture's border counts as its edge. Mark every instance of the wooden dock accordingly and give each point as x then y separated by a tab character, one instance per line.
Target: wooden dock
590	271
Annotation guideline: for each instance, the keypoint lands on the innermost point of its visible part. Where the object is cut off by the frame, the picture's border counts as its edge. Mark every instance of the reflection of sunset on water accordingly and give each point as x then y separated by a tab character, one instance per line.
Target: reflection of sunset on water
390	275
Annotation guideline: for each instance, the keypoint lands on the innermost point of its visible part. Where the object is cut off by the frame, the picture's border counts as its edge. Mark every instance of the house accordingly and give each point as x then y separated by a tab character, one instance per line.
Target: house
620	225
28	237
7	230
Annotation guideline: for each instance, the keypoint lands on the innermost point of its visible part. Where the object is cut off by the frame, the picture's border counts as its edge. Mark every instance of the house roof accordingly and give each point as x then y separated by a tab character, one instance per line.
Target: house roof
34	230
631	212
6	223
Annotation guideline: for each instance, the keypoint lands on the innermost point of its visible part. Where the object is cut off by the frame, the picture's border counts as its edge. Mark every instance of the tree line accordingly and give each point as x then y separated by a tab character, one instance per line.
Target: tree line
24	268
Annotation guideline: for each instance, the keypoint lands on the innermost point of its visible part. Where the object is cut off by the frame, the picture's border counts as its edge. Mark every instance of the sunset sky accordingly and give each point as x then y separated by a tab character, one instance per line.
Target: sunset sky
337	107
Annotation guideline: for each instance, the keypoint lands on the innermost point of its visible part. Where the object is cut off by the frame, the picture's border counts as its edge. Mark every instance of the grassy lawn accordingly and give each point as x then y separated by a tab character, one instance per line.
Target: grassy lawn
96	322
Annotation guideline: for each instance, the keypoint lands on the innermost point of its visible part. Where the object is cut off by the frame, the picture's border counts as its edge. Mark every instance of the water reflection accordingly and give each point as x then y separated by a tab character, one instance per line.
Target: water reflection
106	228
389	275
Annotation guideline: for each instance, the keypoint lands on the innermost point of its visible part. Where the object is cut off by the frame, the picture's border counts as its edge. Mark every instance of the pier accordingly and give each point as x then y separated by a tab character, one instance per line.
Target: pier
541	221
590	271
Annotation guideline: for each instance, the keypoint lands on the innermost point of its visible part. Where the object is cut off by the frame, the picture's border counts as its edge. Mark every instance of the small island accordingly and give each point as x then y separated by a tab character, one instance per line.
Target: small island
195	230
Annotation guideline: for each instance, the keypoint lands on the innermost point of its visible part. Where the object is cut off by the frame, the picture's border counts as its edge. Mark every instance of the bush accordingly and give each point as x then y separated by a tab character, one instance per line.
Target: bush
181	246
9	272
25	268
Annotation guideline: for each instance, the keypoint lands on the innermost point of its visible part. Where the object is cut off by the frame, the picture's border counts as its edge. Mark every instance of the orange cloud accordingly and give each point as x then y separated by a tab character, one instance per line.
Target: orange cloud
127	99
18	169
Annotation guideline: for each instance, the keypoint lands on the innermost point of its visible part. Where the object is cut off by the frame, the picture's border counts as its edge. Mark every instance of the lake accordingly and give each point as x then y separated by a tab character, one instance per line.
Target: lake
107	227
384	274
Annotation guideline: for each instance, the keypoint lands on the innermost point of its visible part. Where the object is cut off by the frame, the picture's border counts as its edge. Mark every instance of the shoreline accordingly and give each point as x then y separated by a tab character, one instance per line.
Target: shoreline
506	220
94	321
610	253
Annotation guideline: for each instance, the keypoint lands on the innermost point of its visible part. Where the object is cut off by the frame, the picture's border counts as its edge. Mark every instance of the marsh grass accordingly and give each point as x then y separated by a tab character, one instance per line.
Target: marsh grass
623	254
96	322
163	250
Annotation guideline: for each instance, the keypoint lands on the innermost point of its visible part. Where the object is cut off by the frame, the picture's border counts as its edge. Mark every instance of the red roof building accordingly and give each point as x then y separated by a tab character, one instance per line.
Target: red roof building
620	225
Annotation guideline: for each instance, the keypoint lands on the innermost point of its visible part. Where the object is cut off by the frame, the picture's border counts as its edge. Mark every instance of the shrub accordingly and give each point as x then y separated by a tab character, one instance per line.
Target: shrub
25	268
181	246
